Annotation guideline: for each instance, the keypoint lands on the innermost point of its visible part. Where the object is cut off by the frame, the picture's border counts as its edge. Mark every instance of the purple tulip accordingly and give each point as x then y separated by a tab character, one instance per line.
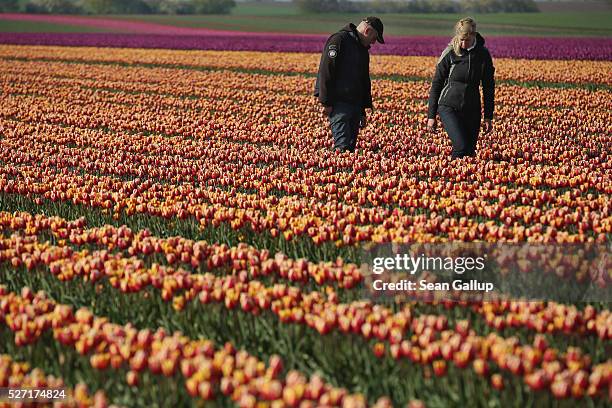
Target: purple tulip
500	47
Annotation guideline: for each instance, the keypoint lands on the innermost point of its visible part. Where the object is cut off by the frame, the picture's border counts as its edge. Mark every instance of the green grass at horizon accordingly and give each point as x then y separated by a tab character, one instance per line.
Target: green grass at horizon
266	9
526	24
10	26
287	18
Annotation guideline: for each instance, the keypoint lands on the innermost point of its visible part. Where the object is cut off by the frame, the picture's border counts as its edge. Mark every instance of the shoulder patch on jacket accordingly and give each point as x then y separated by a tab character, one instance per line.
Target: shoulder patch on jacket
334	42
446	51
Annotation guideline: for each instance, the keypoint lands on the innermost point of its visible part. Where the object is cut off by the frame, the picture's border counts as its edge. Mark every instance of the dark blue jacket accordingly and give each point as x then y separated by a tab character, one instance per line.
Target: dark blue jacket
344	70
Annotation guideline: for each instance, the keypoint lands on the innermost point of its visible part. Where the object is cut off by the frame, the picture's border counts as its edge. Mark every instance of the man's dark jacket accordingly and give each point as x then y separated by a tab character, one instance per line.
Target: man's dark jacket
472	68
344	70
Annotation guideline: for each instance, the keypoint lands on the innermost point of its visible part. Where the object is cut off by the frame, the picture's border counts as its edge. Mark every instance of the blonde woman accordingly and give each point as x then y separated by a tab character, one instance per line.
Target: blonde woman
463	66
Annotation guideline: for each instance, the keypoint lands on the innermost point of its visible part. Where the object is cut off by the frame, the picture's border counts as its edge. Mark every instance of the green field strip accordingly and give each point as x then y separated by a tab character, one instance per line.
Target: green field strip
288	18
9	26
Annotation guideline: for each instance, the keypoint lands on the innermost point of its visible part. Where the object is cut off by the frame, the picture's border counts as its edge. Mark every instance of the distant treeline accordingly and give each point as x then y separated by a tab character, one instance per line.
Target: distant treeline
417	6
118	6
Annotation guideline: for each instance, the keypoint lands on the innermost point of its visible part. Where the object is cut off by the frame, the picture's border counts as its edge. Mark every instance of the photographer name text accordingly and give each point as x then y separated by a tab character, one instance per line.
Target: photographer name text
404	285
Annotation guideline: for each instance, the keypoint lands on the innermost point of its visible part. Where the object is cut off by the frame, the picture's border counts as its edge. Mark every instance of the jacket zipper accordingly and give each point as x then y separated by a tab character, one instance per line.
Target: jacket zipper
448	86
467	80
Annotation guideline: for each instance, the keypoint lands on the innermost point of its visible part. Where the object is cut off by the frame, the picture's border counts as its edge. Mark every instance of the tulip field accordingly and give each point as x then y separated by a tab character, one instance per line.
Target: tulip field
177	231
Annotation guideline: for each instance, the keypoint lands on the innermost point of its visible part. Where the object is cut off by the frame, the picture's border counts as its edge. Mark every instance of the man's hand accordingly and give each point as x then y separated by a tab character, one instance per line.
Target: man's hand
327	109
432	124
487	126
363	121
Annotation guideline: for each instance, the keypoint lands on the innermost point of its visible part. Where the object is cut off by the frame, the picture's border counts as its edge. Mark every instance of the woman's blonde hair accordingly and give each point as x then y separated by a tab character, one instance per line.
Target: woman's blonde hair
463	28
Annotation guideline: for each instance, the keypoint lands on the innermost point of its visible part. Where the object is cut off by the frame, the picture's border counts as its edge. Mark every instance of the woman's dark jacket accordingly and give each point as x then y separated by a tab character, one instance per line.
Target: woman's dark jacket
466	71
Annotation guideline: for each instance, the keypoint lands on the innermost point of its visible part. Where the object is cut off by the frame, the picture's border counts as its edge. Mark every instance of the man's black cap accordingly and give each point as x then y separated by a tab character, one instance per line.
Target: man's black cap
377	25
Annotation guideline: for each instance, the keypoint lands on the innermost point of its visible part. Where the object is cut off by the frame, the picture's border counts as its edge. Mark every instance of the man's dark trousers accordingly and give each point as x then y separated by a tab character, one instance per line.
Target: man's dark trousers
344	120
462	128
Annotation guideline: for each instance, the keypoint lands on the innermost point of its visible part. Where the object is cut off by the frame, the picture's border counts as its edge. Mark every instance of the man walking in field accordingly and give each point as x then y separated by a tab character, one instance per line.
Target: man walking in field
343	83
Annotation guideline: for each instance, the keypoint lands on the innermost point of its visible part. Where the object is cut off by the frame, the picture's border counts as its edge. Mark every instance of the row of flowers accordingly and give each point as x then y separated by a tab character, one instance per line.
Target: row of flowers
119	127
237	259
570	71
145	157
519	206
207	370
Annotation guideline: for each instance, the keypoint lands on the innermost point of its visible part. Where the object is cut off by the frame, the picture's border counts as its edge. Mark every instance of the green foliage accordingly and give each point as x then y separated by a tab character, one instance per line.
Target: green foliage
443	6
327	6
213	6
9	6
121	6
417	6
101	6
172	6
496	6
117	6
52	7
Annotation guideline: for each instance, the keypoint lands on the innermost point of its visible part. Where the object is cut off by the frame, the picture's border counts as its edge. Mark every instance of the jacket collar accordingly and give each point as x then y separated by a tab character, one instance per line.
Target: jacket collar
352	30
478	42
